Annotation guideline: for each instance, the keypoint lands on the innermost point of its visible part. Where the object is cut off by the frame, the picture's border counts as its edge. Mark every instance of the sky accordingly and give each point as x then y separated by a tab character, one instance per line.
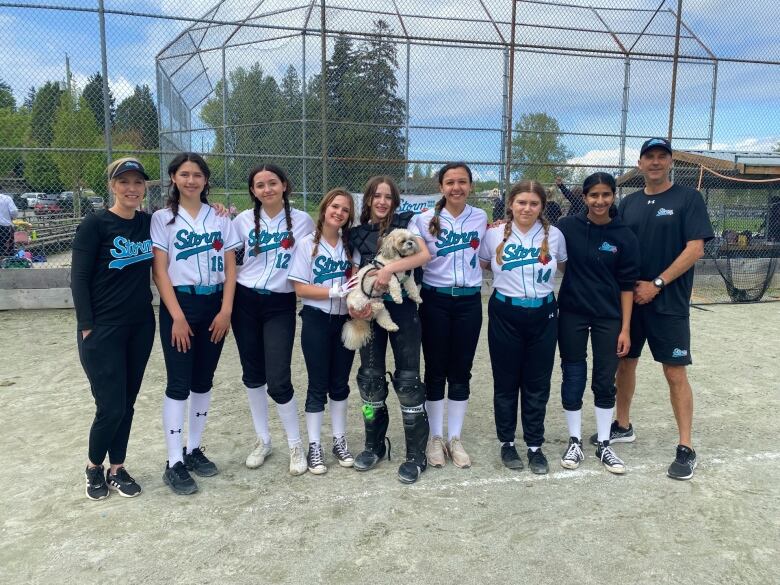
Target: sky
457	87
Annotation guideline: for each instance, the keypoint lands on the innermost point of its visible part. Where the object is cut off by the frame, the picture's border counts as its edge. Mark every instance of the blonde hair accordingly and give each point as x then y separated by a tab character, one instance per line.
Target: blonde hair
536	188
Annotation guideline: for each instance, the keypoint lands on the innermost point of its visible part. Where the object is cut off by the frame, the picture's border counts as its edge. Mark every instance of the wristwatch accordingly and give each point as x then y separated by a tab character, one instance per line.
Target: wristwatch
659	283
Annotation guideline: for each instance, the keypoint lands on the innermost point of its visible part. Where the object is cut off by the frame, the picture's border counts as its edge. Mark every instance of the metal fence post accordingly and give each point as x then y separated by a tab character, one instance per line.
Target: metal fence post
104	69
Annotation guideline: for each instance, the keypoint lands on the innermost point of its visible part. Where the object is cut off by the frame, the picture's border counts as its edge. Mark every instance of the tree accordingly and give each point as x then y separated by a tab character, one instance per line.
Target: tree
136	119
93	96
40	171
538	151
75	133
7	99
14	127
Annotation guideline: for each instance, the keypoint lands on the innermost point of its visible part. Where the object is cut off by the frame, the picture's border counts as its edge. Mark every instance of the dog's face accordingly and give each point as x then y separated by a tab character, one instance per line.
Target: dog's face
399	242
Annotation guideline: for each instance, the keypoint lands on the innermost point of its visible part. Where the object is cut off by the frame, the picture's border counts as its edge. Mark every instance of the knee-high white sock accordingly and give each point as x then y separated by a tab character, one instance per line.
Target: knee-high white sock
199	410
456	413
338	417
574	421
289	415
173	425
603	423
314	425
258	406
435	410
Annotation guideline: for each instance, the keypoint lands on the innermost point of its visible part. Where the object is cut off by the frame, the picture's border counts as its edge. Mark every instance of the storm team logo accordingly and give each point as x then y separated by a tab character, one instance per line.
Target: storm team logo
128	252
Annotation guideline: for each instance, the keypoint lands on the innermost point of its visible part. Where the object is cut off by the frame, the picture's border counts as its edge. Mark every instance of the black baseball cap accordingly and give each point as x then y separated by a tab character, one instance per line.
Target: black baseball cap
127	166
656	143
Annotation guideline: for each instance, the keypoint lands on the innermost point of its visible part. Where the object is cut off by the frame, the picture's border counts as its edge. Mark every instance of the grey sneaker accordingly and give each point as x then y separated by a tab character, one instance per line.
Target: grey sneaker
573	456
683	465
341	452
315	460
611	461
617	434
258	455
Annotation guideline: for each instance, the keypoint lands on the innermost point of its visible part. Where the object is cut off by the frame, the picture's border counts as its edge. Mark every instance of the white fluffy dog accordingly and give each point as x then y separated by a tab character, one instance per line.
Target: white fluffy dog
397	244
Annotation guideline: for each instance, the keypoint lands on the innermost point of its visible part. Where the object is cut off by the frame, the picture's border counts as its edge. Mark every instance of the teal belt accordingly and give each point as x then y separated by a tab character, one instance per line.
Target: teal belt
191	289
262	291
454	291
524	302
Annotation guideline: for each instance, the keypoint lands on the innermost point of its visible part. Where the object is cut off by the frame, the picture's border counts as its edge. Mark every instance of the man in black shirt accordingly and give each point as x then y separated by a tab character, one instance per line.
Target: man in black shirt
672	225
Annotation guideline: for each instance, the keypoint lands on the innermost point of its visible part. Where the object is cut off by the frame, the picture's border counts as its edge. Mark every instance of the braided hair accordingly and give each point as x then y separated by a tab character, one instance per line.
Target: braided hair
434	228
526	186
368	196
174	197
330	196
257	204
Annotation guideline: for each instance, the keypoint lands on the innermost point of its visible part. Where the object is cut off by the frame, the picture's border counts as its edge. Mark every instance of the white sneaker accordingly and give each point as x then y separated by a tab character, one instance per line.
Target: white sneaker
259	452
298	464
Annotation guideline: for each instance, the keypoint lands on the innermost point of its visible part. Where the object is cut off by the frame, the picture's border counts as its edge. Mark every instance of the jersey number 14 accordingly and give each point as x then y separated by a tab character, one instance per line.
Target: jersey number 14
543	275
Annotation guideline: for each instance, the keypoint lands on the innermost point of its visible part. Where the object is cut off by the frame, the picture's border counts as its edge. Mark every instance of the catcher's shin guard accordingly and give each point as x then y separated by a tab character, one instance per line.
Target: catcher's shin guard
373	391
411	395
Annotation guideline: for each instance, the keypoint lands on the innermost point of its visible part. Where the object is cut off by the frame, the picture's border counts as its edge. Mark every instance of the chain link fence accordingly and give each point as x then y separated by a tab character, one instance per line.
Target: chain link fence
336	91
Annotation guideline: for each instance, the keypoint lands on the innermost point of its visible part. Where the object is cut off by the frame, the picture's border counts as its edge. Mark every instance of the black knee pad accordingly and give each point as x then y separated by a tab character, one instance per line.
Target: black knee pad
459	392
372	385
409	388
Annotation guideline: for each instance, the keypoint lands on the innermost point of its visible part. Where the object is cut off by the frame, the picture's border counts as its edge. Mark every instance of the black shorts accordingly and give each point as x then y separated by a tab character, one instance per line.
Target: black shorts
669	336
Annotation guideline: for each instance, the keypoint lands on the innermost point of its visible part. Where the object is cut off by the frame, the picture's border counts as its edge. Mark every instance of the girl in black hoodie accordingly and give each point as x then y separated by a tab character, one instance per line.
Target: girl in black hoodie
596	297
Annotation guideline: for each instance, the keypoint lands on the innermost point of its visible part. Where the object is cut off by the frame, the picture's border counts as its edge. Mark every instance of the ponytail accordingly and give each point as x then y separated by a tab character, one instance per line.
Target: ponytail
435	228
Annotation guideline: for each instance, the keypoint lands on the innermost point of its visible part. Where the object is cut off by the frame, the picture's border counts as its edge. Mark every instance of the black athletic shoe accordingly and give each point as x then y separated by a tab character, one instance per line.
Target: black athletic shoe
683	465
179	479
96	483
537	462
410	471
510	457
122	483
617	434
199	463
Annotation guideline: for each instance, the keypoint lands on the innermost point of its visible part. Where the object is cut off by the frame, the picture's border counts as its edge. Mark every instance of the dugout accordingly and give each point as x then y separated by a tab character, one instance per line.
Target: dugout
742	193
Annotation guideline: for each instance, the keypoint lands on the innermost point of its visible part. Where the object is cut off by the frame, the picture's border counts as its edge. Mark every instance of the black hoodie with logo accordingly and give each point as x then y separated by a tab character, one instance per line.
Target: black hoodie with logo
603	261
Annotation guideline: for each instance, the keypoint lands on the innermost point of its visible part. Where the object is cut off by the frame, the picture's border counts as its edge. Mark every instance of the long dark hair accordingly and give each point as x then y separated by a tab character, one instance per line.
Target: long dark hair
271	168
368	197
173	191
434	228
536	188
599	178
326	201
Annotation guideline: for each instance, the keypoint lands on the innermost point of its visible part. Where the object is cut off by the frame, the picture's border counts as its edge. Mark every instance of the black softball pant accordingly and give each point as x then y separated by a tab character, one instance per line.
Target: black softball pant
191	370
114	358
405	342
328	362
264	326
450	333
573	330
522	350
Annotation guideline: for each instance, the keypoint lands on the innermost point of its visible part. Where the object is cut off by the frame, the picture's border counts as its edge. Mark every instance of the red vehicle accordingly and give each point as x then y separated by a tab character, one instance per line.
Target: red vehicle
47	206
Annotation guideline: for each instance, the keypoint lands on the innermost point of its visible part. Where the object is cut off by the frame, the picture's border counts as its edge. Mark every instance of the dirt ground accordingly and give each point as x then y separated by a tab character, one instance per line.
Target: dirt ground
481	525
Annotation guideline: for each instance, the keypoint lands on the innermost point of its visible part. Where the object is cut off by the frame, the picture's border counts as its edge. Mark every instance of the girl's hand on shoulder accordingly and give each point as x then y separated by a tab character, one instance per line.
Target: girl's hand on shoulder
496	223
220	209
180	335
623	344
219	326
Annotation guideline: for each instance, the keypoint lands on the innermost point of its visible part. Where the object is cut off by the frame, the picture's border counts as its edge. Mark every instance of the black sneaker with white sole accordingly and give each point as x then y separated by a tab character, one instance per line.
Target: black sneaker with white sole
179	479
198	463
122	483
609	458
617	434
315	460
96	483
573	456
683	465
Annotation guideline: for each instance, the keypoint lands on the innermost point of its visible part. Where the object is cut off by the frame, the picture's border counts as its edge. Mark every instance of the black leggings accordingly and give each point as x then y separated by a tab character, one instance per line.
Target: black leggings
328	362
405	342
114	358
450	333
573	330
522	352
264	326
191	370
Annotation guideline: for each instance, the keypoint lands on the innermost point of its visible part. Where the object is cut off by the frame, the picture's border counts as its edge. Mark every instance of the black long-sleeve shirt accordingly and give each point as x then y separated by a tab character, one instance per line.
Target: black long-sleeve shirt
577	205
603	261
110	271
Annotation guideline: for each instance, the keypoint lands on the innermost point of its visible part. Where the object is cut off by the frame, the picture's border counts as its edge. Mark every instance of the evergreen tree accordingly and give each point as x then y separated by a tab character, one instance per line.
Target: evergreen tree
40	171
93	95
7	99
29	99
136	120
14	126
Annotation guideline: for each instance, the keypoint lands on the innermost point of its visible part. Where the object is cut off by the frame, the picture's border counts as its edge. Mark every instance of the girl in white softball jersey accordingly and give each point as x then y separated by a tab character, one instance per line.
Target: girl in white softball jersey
321	271
194	270
524	254
264	311
451	312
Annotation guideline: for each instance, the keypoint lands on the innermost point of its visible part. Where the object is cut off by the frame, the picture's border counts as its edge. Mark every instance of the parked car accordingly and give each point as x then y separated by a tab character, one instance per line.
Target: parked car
32	198
96	202
47	204
65	199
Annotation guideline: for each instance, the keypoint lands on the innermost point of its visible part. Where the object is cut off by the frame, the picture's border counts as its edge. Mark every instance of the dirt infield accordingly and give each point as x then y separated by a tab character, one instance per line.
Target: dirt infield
481	525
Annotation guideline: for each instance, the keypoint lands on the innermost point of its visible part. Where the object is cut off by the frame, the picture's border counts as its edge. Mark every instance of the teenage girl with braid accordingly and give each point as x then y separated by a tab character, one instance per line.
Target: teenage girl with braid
378	218
195	272
321	269
264	311
451	312
524	254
